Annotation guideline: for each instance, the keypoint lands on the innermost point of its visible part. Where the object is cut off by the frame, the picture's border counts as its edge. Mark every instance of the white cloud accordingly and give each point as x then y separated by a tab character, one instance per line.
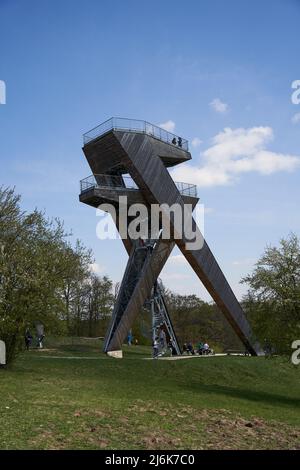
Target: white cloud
96	268
296	118
237	151
177	259
168	126
196	142
218	106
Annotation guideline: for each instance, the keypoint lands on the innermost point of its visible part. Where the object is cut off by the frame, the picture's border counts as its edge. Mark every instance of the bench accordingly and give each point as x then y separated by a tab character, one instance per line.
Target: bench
237	352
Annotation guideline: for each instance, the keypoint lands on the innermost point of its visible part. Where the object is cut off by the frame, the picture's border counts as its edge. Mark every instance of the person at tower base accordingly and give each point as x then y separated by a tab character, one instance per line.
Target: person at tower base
172	348
200	347
207	350
190	348
155	347
129	338
28	339
162	339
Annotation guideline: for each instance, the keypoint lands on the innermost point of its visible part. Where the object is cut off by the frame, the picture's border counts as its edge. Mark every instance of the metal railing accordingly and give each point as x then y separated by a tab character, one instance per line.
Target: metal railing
186	189
126	182
107	181
135	125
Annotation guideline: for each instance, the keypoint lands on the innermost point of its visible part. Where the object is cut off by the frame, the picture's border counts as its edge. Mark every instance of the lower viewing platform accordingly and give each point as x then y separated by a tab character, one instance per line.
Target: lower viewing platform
126	182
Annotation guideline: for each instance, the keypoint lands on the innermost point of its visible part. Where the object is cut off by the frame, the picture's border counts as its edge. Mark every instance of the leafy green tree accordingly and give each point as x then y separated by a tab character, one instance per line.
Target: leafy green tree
77	262
40	273
273	300
196	320
100	300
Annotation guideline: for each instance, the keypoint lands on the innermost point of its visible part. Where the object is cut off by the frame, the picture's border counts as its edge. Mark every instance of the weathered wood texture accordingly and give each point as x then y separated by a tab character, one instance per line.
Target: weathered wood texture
140	156
106	155
141	292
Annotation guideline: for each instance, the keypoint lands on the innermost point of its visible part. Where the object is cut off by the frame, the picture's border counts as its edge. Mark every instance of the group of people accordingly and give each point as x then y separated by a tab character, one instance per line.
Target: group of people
175	142
29	339
160	344
131	340
201	348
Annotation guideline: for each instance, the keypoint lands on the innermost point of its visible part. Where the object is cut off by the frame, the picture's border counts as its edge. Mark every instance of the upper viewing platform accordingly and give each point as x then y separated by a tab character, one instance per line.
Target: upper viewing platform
135	126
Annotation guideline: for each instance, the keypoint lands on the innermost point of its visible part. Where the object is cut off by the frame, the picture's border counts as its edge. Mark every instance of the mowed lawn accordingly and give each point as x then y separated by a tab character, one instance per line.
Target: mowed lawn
50	400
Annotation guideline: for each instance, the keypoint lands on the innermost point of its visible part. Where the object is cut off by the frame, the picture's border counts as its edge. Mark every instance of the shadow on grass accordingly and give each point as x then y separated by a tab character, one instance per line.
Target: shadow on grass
250	395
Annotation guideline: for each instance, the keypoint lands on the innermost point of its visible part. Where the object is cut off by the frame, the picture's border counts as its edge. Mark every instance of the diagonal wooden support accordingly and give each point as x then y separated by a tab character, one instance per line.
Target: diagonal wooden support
151	269
157	186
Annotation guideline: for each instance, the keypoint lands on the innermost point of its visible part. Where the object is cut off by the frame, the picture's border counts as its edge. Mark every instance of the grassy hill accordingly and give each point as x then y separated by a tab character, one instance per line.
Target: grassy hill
72	396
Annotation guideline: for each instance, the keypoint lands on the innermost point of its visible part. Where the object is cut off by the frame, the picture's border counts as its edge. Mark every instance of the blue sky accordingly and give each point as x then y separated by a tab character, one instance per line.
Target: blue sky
199	66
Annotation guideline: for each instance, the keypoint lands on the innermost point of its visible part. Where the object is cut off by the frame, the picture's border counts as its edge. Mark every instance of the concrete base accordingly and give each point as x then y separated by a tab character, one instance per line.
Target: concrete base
115	354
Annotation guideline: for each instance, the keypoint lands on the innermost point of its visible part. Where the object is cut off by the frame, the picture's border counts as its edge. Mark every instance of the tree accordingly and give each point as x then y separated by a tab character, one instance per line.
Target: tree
77	262
100	303
40	273
273	300
30	270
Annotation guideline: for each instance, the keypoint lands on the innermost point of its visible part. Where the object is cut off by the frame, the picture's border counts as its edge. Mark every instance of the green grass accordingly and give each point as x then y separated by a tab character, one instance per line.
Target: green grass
51	402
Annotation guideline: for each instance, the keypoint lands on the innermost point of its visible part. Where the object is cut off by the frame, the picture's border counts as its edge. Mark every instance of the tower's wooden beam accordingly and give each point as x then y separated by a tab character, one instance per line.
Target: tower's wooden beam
157	186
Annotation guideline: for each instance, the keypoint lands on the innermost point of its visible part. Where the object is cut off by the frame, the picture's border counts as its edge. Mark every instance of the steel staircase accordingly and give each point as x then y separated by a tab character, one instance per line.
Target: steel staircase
161	318
132	274
141	251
